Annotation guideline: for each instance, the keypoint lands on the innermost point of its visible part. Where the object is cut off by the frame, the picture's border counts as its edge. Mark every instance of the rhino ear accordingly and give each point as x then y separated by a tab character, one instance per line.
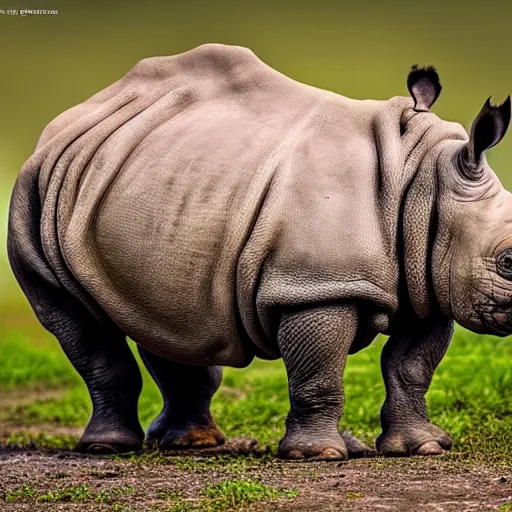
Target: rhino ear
424	87
488	128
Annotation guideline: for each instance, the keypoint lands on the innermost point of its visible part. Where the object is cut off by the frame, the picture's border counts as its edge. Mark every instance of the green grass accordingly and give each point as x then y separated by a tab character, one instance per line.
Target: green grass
350	495
228	495
24	365
470	395
72	493
31	440
235	494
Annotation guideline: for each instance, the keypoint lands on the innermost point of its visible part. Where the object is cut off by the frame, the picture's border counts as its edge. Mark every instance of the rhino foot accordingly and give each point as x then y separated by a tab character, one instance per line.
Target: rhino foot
300	446
191	436
312	453
427	439
349	448
109	442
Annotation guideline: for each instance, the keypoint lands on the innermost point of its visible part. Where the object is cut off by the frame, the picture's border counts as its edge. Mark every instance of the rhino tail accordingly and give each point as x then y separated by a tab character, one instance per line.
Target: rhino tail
24	246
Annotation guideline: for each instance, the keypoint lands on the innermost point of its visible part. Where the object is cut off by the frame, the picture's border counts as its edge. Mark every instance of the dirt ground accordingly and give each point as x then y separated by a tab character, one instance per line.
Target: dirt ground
435	484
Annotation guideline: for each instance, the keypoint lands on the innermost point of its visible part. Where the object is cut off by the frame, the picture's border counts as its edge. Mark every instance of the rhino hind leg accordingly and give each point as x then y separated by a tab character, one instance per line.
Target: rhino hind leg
100	354
314	344
185	420
408	364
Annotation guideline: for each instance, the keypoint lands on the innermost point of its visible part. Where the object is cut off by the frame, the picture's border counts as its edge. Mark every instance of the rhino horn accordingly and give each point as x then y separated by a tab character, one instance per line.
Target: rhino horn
424	86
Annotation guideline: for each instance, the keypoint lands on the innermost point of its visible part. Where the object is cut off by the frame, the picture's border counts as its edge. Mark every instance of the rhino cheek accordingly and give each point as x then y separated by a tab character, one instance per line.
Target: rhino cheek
463	296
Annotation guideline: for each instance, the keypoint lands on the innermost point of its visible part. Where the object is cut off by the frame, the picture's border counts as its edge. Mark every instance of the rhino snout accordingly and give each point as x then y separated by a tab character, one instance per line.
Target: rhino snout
495	311
501	321
496	319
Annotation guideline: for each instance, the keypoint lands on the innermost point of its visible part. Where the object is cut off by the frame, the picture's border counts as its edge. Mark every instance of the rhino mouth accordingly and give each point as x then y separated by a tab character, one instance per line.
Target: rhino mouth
492	299
496	319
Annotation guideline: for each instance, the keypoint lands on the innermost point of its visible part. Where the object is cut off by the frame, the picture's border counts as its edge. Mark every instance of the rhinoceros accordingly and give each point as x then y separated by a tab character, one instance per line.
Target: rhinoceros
215	210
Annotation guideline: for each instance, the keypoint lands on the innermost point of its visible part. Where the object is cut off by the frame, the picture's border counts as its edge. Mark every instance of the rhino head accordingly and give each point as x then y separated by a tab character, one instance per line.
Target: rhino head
471	254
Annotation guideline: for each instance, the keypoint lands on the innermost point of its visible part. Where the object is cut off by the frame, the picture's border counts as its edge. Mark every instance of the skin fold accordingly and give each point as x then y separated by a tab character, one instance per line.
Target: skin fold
215	210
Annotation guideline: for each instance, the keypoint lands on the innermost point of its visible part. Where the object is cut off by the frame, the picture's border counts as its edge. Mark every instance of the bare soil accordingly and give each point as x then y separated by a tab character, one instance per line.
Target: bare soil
435	484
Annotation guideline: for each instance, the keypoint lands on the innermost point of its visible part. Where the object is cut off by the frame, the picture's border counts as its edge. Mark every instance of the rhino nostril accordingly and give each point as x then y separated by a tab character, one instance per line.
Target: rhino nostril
501	317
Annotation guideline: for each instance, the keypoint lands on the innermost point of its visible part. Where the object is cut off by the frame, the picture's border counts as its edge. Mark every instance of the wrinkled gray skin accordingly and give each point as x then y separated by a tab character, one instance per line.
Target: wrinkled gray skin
213	210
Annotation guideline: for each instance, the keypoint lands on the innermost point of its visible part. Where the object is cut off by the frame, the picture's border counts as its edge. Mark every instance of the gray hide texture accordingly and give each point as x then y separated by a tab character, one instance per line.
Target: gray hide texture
214	209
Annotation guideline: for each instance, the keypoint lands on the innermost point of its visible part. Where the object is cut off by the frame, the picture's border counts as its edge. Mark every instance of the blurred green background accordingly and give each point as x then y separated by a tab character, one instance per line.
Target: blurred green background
362	49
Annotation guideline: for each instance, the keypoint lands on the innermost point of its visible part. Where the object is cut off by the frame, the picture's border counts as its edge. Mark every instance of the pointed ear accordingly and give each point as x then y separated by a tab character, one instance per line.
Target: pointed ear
424	87
488	128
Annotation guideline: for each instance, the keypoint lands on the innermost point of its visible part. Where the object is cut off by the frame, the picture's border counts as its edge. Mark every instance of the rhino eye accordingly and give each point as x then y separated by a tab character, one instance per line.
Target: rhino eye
504	263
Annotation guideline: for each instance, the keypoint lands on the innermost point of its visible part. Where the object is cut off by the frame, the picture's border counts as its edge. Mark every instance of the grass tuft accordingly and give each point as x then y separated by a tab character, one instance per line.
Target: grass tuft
236	494
40	440
72	493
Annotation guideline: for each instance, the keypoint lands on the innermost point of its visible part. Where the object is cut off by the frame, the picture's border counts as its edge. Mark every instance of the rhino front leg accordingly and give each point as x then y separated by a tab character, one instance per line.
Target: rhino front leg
314	344
185	420
408	363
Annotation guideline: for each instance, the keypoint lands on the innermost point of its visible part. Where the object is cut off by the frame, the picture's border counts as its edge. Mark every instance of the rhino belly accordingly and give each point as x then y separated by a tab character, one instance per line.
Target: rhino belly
165	277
